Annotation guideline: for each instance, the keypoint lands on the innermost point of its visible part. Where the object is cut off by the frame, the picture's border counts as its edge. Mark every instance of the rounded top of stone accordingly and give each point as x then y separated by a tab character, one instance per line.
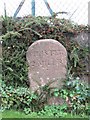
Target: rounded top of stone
55	42
47	40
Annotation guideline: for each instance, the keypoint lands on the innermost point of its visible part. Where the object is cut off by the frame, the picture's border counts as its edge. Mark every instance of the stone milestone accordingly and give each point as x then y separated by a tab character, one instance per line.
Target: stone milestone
47	60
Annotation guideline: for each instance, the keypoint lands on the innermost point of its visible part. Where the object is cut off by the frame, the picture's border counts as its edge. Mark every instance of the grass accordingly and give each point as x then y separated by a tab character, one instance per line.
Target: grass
18	114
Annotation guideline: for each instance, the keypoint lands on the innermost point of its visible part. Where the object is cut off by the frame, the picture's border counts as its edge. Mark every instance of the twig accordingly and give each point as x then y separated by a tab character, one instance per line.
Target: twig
31	30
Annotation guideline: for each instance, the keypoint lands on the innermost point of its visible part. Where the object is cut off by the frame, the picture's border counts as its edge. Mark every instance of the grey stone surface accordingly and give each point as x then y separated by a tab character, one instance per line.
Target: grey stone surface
82	39
47	61
0	27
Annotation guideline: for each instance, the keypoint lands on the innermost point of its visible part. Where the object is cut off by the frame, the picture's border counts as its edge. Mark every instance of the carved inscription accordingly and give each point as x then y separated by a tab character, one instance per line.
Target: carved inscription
47	61
46	54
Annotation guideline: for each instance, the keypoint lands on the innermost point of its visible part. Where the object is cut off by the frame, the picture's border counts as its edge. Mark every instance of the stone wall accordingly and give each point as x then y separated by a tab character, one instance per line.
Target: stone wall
83	40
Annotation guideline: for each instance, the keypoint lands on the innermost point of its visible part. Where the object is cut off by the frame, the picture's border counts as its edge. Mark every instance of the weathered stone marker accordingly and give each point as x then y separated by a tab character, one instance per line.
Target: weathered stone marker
47	60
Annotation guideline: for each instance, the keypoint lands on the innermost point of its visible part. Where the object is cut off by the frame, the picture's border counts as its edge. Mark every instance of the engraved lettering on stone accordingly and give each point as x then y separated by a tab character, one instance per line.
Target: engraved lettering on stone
47	61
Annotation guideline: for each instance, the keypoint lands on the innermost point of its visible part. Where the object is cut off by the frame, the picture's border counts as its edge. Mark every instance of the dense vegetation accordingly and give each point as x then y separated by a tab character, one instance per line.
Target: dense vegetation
17	36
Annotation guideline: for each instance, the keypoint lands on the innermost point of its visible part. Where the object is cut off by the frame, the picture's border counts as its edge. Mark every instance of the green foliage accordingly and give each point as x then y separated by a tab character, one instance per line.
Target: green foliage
54	111
14	57
56	92
77	96
74	57
20	33
78	58
17	36
19	114
19	98
8	24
